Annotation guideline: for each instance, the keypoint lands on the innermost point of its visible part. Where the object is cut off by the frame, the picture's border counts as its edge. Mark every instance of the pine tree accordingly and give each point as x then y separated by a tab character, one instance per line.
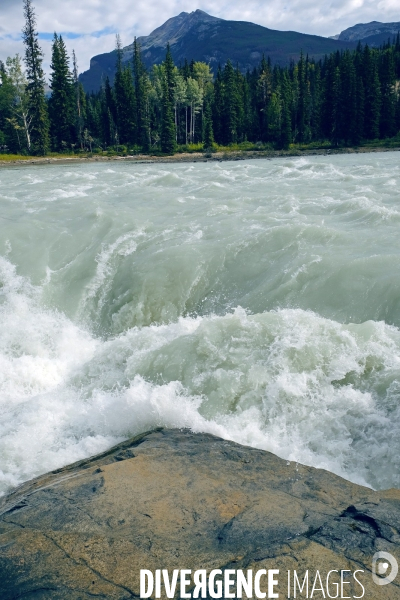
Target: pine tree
124	99
336	108
301	105
168	133
254	132
36	83
359	130
247	124
108	114
388	82
94	114
286	128
218	106
185	70
240	117
372	89
274	116
264	91
208	125
348	100
231	112
109	99
315	101
80	100
141	95
62	101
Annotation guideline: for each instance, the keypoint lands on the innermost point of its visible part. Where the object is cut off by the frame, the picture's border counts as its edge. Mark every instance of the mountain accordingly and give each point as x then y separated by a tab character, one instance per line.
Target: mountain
373	34
201	37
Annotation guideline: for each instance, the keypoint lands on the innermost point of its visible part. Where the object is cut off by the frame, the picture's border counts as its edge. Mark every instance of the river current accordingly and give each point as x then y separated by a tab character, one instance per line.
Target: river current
255	300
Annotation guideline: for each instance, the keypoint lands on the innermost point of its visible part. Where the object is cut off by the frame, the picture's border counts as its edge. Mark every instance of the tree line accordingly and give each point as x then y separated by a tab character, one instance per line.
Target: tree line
347	98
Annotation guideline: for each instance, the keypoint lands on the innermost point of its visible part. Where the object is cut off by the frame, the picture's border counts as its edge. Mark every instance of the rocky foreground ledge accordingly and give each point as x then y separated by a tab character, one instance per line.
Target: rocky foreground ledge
172	499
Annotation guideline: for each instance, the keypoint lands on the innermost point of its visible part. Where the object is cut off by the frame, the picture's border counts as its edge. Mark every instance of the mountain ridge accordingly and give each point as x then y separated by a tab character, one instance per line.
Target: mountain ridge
364	31
203	37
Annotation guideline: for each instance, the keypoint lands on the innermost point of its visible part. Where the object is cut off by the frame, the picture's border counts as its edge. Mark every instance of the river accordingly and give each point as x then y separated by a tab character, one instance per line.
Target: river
255	300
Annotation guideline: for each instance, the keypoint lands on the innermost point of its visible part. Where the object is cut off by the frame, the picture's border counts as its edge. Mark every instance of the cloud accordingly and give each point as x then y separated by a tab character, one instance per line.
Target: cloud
89	26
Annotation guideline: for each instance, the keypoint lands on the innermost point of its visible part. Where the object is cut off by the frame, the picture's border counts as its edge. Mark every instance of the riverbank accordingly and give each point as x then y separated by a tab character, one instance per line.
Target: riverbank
196	156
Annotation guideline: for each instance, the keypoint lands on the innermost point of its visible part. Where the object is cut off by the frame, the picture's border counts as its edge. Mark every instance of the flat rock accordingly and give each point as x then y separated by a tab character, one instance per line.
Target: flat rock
172	499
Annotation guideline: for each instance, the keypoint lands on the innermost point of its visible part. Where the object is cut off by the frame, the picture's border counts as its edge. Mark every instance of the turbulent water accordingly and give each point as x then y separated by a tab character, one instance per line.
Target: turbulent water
259	301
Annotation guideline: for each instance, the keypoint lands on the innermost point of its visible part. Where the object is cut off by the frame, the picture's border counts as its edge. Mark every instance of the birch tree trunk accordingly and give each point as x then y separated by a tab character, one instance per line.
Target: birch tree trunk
26	127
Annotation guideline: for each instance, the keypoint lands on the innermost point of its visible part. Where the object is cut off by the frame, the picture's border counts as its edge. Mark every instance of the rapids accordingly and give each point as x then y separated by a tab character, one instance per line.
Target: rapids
256	300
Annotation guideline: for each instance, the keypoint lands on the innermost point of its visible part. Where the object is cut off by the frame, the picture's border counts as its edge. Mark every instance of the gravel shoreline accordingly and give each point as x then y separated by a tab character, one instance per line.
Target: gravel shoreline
195	156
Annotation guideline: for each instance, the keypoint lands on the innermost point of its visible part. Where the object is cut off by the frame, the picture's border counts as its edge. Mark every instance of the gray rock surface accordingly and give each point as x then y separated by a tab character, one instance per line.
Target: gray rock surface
171	499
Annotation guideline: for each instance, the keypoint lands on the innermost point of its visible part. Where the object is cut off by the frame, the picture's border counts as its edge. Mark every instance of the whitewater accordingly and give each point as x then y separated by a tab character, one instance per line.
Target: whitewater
254	300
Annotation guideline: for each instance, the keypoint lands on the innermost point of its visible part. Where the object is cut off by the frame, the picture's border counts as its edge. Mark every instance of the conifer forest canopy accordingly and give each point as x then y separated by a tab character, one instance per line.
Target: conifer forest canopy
345	99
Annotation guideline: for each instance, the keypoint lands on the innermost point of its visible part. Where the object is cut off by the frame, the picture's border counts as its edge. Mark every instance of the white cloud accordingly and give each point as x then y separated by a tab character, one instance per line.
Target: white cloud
95	22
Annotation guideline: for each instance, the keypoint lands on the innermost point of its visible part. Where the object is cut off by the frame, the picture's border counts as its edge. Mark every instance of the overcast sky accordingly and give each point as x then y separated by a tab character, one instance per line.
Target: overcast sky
89	26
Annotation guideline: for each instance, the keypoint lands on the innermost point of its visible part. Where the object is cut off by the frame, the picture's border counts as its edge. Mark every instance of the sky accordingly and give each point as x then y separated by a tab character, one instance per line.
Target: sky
90	26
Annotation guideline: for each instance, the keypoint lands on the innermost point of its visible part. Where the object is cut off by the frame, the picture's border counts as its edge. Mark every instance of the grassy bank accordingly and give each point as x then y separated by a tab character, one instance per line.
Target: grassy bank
196	152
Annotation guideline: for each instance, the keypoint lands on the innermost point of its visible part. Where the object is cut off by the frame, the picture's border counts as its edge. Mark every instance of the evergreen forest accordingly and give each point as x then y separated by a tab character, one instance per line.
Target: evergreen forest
344	100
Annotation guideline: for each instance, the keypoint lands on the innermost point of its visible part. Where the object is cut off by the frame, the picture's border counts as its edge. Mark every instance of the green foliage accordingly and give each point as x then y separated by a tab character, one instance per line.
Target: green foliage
142	91
190	148
168	131
62	102
346	99
208	126
37	106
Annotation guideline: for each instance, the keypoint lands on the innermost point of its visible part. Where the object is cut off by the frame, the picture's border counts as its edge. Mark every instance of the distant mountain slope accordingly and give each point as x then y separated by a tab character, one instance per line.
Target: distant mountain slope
200	36
373	34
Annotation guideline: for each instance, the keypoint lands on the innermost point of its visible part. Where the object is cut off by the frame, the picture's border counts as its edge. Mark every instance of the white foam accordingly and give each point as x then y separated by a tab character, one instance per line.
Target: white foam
76	376
306	388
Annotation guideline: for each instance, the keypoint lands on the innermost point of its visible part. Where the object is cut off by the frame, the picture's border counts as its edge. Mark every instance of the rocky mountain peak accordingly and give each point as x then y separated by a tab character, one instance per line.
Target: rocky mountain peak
199	36
175	28
361	31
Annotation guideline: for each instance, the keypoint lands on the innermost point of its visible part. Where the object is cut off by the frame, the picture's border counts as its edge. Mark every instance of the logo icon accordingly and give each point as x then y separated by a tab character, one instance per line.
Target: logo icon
384	568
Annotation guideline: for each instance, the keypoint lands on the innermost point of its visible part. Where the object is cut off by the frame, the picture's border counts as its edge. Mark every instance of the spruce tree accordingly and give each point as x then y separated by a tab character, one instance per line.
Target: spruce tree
36	83
141	93
231	112
62	101
359	130
315	101
124	99
264	91
80	100
348	100
274	115
302	99
218	106
240	117
286	128
372	89
186	69
254	131
387	79
168	133
336	108
208	125
108	114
